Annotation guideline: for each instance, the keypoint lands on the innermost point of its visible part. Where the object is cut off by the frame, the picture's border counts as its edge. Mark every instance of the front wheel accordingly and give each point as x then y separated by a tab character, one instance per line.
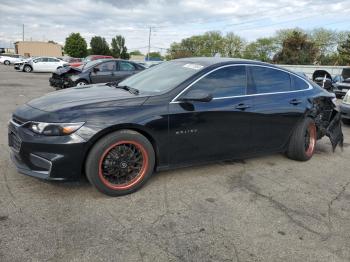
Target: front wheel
120	163
81	83
7	62
303	141
27	69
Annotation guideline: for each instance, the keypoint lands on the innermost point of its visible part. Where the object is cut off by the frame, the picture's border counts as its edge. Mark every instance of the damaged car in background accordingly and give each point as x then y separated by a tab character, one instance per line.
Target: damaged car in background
178	113
345	108
97	71
342	83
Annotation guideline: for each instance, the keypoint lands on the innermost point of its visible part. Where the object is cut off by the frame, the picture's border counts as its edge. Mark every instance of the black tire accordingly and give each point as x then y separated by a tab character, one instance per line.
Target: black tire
81	82
302	143
346	121
7	62
101	161
27	69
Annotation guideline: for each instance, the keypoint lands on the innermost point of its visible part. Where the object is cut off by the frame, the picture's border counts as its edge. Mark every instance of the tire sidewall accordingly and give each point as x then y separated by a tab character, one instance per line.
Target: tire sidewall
296	148
93	160
27	66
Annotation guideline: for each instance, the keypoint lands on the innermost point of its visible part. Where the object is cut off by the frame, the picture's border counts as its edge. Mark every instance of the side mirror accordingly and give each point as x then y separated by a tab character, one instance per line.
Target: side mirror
96	69
196	95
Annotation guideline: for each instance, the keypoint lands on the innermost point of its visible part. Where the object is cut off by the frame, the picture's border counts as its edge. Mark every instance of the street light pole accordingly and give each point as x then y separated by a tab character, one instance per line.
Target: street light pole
149	42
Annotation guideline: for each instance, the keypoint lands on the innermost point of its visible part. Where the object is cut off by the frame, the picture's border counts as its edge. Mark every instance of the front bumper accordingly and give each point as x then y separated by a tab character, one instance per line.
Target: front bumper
18	66
51	158
345	110
60	82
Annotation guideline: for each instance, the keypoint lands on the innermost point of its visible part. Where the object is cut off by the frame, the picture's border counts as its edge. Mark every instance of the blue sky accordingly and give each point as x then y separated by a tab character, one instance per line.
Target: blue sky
171	20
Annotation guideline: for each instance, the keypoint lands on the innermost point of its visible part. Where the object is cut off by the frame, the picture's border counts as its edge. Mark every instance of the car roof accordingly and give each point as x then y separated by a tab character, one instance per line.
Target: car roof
209	61
219	61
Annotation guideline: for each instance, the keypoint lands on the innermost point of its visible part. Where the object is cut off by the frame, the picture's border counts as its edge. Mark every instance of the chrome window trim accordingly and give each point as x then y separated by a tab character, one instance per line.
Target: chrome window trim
174	100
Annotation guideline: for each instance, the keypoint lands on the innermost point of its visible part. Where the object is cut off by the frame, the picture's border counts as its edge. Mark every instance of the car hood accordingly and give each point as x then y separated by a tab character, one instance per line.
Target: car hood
90	96
68	70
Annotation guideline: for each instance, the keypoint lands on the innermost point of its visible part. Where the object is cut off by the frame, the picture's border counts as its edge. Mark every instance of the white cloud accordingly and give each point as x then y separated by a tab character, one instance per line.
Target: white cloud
173	20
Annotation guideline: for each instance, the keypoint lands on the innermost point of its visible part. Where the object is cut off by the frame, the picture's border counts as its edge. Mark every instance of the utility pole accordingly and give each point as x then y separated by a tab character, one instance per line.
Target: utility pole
149	42
23	32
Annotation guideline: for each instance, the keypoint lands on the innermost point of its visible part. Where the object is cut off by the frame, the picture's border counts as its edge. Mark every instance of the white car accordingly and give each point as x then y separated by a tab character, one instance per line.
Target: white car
11	59
43	64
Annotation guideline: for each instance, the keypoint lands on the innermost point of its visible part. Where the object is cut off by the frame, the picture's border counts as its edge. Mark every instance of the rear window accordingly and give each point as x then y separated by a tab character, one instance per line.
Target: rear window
268	80
298	83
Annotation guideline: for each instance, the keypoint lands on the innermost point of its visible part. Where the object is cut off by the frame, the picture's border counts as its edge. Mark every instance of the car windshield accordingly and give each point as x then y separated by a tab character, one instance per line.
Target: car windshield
163	77
87	59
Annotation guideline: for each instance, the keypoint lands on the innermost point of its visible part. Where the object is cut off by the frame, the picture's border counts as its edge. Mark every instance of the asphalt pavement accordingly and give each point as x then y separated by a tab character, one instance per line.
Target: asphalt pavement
260	209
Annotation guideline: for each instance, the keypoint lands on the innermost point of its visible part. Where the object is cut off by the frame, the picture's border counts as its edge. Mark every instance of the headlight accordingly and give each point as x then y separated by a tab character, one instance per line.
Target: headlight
346	99
54	129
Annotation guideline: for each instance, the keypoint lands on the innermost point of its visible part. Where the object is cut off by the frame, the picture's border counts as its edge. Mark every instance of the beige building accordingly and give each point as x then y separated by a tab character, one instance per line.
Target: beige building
37	48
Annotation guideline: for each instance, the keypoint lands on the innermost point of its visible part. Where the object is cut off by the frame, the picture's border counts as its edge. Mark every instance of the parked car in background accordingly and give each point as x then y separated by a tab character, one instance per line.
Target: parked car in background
97	71
345	108
89	59
42	64
342	83
178	113
11	59
74	62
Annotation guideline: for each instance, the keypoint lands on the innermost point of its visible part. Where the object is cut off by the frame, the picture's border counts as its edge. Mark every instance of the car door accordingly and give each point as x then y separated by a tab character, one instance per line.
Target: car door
278	106
219	129
103	73
53	63
125	69
39	64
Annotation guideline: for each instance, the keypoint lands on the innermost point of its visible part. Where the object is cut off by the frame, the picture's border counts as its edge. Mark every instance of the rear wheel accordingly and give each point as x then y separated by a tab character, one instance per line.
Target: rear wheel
120	163
27	69
303	141
7	62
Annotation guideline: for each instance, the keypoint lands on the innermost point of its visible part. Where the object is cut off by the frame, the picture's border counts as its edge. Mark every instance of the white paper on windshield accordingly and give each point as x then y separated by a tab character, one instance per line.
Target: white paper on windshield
193	66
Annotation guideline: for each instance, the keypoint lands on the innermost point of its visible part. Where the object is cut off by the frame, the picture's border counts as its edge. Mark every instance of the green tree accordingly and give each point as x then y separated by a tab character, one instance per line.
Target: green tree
136	52
263	49
297	49
75	45
99	46
233	45
344	51
118	48
155	55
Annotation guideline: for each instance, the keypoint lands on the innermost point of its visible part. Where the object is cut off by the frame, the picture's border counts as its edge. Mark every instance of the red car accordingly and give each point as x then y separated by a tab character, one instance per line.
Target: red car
88	59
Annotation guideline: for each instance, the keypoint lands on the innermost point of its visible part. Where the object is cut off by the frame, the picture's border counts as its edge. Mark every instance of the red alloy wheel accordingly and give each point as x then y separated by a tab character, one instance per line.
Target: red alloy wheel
123	165
310	140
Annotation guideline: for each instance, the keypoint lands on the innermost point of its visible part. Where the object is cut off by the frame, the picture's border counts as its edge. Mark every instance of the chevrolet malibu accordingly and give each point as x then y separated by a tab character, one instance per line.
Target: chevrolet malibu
178	113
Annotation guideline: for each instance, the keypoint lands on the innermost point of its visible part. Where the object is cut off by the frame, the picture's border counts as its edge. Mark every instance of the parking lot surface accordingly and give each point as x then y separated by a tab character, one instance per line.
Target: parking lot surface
261	209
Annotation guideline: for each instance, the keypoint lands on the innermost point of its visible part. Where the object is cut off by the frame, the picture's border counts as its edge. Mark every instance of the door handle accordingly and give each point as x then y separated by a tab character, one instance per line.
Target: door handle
242	106
295	101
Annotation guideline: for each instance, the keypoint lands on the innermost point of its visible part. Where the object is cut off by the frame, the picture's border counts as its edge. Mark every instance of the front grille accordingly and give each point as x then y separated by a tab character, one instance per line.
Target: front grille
14	141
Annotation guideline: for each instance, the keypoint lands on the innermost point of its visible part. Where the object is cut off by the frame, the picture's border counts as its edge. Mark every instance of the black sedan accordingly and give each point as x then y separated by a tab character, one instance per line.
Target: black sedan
179	113
97	71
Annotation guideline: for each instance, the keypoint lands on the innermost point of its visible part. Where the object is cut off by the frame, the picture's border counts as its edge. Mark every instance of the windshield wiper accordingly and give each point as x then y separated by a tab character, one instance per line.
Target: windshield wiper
132	90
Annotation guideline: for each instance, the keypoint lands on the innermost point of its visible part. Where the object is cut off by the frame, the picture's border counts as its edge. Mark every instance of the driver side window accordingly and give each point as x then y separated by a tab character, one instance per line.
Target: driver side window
107	67
224	82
